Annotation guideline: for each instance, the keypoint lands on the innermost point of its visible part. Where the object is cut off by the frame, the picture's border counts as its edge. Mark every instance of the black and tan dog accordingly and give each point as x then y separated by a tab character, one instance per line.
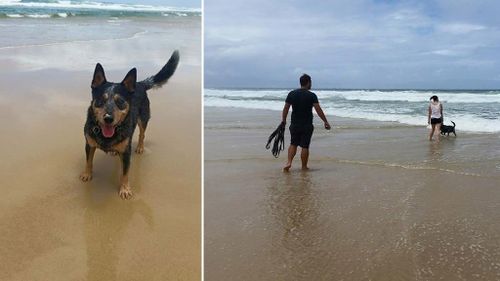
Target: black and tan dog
448	129
116	109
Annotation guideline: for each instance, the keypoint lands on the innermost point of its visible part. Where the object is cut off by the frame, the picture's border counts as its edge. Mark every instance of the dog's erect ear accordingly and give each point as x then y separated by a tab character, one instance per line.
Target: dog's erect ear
130	80
99	77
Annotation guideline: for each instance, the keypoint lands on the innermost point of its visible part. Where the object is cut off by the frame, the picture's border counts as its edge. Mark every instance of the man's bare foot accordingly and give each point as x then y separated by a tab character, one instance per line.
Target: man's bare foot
305	168
139	149
287	167
125	192
86	176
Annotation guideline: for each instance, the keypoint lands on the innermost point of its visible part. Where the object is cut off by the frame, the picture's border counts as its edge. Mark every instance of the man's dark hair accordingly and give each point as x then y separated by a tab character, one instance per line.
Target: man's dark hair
305	79
435	98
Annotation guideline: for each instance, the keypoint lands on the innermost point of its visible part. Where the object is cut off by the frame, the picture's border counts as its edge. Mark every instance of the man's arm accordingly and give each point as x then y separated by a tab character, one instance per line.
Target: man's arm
321	115
286	108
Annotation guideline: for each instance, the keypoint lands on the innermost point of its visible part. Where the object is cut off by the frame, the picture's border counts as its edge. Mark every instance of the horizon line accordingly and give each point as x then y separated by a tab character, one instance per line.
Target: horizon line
350	89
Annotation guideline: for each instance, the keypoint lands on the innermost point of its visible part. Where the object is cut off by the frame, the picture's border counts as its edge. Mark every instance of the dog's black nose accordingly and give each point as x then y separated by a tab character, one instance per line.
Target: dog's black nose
108	119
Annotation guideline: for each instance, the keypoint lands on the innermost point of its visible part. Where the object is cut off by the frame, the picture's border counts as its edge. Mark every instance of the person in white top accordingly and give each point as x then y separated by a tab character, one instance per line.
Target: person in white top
435	116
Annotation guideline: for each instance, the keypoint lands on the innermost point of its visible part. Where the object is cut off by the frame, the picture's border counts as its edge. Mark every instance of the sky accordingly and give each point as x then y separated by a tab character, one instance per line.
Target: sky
377	44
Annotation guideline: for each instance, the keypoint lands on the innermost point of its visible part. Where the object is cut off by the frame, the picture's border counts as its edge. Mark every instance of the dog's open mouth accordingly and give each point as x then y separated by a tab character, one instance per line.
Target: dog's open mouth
108	130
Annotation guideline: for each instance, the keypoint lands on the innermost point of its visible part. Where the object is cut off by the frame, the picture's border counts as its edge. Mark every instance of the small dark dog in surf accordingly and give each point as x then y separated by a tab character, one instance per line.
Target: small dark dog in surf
114	112
448	129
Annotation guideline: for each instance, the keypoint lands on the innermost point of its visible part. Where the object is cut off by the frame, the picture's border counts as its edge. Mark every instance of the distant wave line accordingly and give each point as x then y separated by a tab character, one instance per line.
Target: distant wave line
135	35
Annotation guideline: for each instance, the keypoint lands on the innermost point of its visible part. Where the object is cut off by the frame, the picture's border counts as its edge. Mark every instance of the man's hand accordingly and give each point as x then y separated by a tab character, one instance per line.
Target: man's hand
321	115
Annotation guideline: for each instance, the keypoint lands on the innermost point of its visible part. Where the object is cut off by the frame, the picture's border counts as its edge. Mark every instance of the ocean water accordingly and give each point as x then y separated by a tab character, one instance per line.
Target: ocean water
79	8
472	110
74	35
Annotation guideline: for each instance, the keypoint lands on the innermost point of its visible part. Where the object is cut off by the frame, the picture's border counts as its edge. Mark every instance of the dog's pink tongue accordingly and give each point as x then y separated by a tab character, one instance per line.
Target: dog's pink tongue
108	131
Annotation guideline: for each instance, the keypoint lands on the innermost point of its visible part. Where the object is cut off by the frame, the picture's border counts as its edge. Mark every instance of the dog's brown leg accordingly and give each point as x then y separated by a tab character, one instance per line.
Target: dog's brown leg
140	145
125	191
89	152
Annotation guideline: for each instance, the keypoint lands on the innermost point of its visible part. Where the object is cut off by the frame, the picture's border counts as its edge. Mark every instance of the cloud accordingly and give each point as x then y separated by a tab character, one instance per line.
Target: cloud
445	52
460	28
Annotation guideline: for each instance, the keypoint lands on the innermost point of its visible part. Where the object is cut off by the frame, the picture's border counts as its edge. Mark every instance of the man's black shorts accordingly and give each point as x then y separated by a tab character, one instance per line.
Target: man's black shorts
301	135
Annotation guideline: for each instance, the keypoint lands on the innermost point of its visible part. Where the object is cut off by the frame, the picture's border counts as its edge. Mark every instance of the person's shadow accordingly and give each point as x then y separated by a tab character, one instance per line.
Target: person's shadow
106	220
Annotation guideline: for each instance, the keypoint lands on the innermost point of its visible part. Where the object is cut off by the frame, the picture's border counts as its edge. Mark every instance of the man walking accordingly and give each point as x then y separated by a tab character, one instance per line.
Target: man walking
301	128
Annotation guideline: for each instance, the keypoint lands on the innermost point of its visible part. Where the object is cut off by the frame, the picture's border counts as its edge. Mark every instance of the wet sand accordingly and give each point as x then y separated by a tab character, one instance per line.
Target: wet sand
55	227
380	203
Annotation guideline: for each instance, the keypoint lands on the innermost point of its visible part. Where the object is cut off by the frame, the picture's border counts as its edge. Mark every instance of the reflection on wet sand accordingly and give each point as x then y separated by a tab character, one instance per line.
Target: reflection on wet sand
434	152
106	223
294	206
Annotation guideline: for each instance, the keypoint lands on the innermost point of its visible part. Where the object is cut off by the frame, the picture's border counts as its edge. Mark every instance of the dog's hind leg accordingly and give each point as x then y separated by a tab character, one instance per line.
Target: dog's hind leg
89	152
142	130
144	115
125	190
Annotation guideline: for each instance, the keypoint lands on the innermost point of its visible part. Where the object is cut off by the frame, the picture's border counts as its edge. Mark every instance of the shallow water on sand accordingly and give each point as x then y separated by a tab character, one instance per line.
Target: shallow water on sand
379	203
78	44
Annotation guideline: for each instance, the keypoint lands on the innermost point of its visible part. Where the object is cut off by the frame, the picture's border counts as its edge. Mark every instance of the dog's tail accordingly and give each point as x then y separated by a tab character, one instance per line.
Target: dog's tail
165	73
453	124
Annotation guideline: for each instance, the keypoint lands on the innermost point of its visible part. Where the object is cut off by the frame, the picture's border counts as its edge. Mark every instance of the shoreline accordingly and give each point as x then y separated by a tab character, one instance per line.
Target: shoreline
368	142
351	120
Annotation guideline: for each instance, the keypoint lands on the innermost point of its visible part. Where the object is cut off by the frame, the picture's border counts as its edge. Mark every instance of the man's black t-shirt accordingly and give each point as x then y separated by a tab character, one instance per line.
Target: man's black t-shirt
302	103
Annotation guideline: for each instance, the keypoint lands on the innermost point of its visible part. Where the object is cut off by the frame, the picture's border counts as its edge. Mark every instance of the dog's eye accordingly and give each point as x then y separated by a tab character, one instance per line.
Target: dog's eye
99	103
120	103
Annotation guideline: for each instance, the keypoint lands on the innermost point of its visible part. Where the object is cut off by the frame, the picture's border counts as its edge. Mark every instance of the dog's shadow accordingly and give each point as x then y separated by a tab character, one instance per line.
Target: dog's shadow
107	217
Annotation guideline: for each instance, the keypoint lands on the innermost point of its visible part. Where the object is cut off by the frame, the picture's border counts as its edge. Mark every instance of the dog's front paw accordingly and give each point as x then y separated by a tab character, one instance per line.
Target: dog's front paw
112	153
125	192
86	176
139	149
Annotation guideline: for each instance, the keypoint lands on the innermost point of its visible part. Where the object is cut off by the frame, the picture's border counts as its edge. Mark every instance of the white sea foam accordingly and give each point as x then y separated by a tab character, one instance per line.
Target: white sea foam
364	95
96	5
117	20
38	16
413	96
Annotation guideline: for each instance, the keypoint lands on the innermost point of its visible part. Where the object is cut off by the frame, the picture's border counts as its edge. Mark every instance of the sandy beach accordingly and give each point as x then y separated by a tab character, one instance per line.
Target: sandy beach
55	227
380	202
